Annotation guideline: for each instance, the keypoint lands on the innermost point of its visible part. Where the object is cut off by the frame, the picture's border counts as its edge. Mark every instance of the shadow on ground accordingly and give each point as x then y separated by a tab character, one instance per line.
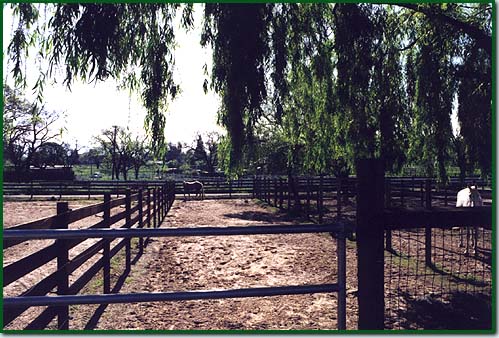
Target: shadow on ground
462	311
261	216
94	320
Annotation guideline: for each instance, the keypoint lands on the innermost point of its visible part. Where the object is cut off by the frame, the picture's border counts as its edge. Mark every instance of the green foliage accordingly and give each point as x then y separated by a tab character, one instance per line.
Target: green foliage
475	111
50	154
305	88
26	128
238	36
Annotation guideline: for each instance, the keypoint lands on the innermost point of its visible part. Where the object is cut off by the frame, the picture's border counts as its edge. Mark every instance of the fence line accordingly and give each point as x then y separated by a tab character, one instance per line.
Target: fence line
305	195
61	248
64	298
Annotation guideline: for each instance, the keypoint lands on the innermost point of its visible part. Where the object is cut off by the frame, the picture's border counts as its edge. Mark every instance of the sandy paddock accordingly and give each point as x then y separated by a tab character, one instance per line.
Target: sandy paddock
196	263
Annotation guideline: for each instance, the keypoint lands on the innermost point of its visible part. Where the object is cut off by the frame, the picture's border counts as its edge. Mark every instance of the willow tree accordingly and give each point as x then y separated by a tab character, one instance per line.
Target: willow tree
475	94
238	36
133	43
343	80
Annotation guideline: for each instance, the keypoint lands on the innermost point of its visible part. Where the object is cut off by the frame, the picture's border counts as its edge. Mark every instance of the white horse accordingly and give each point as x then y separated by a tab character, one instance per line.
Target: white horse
469	198
195	187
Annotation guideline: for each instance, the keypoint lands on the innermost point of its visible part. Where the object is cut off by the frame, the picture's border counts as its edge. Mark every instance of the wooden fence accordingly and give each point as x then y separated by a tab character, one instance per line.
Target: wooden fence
375	224
219	187
144	208
318	196
215	186
72	188
305	194
419	191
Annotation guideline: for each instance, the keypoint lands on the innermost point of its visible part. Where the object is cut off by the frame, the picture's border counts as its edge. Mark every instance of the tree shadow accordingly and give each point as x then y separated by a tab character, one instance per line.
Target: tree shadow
461	311
484	256
262	216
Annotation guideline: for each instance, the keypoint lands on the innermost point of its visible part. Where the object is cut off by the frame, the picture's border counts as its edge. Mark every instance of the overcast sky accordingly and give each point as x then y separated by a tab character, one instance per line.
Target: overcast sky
90	108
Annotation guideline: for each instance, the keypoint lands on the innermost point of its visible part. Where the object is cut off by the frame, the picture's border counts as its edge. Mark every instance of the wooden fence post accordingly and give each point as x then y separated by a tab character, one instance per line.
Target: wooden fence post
281	192
422	193
141	220
62	261
402	193
321	198
388	204
154	204
339	195
260	188
427	252
308	196
254	186
275	192
158	207
161	204
428	194
148	202
230	188
370	244
106	256
342	268
128	207
267	190
289	194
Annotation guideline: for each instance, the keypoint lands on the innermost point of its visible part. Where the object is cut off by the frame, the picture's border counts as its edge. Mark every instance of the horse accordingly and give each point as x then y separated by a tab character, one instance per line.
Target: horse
194	186
468	198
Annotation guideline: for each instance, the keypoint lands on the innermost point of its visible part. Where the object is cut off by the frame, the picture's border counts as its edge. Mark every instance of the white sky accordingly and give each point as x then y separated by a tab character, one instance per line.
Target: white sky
91	108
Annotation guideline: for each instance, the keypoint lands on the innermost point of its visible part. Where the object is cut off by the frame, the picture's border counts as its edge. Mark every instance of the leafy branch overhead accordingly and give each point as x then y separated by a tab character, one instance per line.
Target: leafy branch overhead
338	81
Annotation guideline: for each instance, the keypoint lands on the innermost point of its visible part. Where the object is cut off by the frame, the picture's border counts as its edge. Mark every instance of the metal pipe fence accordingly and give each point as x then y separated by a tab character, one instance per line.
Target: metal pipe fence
62	301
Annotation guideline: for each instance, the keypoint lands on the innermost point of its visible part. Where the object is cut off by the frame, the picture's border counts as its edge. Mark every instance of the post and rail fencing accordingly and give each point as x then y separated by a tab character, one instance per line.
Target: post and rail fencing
405	256
312	196
75	188
137	215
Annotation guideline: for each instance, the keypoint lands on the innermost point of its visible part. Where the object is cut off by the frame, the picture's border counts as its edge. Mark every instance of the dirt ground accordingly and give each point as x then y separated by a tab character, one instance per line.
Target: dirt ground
180	264
195	263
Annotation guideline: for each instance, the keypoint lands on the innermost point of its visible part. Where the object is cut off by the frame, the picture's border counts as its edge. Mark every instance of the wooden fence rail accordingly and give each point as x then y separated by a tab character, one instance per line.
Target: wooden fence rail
304	194
137	214
72	188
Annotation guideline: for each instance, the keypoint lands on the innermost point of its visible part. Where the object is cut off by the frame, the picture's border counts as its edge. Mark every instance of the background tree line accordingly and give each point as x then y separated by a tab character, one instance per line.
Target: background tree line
30	140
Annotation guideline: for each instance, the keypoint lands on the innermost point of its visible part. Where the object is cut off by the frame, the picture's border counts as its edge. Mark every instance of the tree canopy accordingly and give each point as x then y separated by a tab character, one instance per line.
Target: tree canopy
336	82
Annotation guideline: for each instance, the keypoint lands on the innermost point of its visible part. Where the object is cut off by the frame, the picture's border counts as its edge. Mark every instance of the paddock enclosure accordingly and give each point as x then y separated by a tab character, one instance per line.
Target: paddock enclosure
258	253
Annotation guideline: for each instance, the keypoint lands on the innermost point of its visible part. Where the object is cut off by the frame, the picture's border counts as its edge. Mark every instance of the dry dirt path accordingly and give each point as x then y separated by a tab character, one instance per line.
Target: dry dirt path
196	263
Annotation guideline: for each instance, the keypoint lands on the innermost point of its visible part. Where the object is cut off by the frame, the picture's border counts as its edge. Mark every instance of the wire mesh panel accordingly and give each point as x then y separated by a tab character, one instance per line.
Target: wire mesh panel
438	279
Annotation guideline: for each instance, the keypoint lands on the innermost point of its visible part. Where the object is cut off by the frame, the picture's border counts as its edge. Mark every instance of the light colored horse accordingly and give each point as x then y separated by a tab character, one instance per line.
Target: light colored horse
194	187
469	198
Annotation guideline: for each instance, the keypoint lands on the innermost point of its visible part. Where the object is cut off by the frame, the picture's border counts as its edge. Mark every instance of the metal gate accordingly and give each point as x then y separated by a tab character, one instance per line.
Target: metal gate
62	301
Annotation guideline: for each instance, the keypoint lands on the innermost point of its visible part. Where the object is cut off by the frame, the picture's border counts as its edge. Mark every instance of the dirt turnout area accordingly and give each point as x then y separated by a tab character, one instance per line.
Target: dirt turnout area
195	263
207	263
